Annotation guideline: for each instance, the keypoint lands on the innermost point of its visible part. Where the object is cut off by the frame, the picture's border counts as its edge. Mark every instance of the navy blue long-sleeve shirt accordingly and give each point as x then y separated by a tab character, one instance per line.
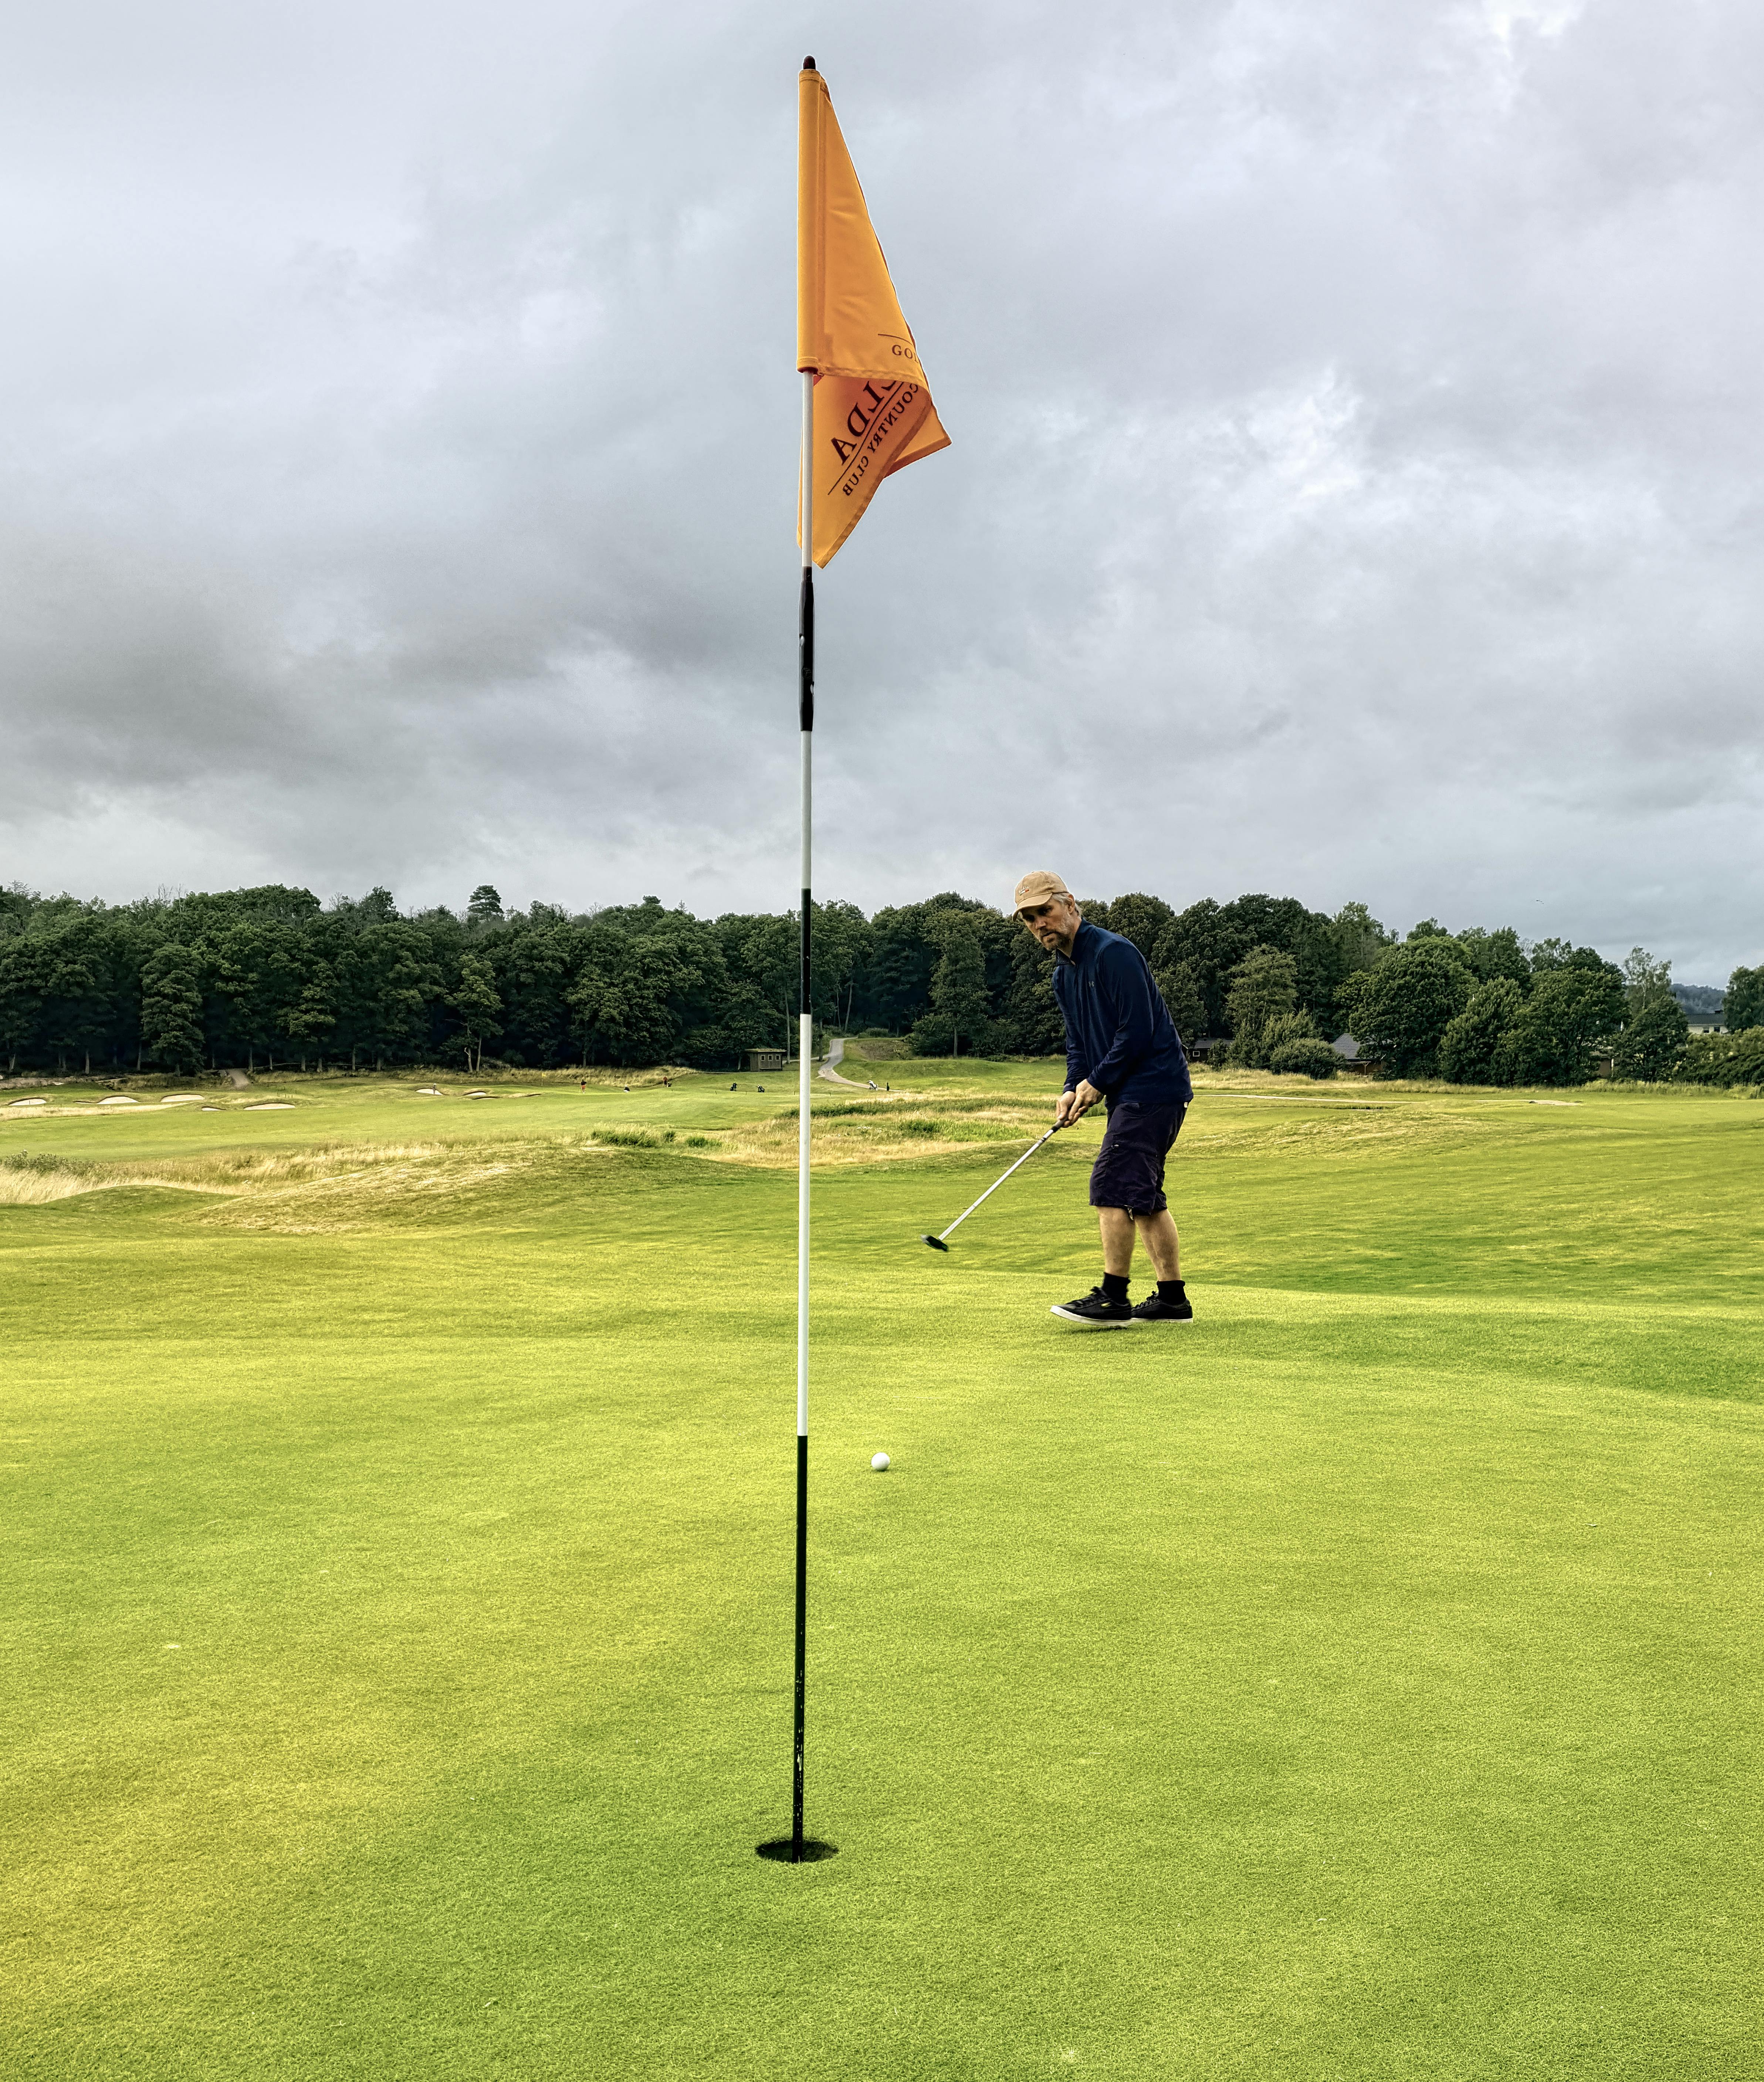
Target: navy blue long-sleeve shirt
1118	1033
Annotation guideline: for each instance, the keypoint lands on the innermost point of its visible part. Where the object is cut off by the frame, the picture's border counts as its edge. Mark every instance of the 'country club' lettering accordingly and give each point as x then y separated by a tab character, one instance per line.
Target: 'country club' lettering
857	419
875	429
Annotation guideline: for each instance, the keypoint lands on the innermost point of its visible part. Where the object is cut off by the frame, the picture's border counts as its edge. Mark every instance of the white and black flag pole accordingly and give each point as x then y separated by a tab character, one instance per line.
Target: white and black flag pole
877	417
805	1046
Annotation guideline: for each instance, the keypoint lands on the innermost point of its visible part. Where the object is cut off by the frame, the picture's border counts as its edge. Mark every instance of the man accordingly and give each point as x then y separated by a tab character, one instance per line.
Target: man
1122	1049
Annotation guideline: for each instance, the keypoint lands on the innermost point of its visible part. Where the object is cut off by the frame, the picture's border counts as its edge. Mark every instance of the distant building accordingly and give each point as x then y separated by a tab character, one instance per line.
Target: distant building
759	1060
1353	1062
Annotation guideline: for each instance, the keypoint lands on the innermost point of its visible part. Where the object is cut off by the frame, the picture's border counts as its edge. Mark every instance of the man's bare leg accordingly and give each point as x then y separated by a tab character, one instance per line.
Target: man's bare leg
1163	1246
1158	1233
1117	1228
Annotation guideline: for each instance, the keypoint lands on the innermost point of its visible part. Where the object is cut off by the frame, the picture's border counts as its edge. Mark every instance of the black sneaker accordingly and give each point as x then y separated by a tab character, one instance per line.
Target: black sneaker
1094	1311
1155	1309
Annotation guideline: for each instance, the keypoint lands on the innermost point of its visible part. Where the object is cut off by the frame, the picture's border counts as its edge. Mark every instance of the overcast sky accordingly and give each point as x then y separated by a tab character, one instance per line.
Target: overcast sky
1355	486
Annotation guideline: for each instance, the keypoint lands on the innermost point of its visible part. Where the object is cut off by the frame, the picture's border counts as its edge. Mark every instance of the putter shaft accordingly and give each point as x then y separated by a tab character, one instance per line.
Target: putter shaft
937	1242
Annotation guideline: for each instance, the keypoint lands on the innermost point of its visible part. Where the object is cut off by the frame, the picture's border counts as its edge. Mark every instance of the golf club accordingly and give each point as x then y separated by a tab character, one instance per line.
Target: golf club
937	1242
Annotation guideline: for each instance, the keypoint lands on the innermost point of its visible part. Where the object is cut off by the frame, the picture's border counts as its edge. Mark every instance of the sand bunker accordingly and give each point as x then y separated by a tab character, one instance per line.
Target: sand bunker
119	1101
270	1105
30	1101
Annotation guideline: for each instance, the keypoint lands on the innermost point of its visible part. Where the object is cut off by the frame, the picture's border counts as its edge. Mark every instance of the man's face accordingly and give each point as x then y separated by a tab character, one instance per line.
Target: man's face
1055	925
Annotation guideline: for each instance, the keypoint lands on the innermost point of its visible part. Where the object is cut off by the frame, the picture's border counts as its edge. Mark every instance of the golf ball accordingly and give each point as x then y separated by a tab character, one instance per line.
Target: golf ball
880	1462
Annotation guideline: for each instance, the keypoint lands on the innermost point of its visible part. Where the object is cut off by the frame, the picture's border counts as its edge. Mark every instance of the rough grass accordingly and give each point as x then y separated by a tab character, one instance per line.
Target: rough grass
1363	1685
28	1177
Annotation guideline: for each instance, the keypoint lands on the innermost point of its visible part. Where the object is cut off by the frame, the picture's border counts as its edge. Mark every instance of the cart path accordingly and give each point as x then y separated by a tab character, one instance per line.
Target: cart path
836	1050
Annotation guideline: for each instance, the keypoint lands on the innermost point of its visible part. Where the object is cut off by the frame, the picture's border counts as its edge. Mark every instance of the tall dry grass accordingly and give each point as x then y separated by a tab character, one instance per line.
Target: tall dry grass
28	1179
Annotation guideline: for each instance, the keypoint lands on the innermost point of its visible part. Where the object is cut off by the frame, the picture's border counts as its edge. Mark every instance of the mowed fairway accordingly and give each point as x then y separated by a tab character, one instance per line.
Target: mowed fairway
1362	1683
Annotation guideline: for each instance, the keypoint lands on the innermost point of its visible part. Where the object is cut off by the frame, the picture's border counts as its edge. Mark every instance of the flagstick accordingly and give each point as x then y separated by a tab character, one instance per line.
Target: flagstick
805	1048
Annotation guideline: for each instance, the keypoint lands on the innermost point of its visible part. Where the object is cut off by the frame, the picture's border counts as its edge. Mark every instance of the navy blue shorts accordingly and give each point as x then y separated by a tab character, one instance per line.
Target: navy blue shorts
1129	1168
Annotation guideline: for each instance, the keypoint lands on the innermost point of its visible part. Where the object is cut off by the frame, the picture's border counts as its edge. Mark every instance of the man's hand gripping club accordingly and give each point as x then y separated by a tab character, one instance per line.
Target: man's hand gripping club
1074	1104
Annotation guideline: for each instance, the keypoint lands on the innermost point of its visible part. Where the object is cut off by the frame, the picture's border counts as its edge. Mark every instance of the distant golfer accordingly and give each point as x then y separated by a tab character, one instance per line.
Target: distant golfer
1122	1047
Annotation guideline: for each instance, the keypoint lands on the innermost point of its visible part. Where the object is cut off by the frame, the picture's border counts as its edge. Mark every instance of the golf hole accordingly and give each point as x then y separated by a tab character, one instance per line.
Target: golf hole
782	1851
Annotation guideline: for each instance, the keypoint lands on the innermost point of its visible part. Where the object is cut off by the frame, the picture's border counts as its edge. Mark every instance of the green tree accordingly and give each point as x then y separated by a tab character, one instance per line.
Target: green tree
1211	939
1180	990
391	988
1471	1044
1743	1006
1209	944
376	908
748	1020
1360	937
1398	1012
1644	979
1652	1044
1030	1024
23	976
1143	919
906	946
1307	936
839	943
1551	1042
172	1007
1724	1059
1263	985
533	963
1547	956
484	906
1495	955
474	998
17	904
54	982
313	1014
762	955
256	966
959	1004
626	1000
1334	950
1286	1030
1655	1027
898	976
1309	1056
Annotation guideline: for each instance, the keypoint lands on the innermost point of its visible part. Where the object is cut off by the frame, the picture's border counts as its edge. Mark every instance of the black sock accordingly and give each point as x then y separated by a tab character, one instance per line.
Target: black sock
1171	1290
1114	1286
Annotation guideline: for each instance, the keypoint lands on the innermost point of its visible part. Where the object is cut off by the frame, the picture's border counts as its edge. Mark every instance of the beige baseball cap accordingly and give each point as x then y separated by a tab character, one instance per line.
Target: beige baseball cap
1038	887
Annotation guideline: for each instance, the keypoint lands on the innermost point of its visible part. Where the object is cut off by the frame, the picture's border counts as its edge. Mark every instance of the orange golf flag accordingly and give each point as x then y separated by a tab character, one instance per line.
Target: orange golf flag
873	410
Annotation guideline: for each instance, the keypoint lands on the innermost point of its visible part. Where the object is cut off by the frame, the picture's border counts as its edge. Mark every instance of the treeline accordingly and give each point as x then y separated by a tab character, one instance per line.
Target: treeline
271	975
1481	1007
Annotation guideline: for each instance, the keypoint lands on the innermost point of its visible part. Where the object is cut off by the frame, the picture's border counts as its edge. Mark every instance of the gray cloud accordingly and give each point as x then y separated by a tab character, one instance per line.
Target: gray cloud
1356	420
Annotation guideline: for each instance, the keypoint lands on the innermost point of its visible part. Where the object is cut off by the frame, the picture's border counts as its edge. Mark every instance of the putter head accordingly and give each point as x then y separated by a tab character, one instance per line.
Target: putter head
936	1243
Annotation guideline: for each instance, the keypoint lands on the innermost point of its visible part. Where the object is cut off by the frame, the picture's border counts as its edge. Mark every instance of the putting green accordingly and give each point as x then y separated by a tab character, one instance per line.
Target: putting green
1362	1683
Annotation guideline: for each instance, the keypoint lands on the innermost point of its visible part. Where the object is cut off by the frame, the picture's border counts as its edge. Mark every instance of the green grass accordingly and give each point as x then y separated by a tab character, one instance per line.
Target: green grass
1363	1684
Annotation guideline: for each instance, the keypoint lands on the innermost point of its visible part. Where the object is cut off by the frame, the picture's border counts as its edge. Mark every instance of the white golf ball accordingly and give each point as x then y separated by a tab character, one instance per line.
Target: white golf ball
880	1462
